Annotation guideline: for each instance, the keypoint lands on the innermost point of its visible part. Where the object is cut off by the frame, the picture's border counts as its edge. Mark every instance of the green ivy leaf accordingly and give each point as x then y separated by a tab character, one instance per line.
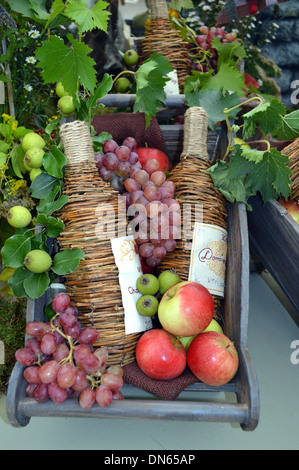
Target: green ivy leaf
87	18
14	250
67	261
36	284
16	282
67	64
102	89
54	161
52	225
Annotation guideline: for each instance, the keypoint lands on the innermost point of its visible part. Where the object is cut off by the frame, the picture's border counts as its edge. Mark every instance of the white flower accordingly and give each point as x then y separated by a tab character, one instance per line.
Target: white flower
28	87
206	8
30	60
33	33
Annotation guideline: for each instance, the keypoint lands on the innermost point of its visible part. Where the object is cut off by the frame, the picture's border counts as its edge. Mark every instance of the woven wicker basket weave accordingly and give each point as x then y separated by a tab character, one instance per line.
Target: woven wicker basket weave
194	186
94	286
292	151
163	39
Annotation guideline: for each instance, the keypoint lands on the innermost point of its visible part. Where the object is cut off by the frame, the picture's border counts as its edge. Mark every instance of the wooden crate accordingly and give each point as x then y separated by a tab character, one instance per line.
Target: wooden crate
274	240
244	409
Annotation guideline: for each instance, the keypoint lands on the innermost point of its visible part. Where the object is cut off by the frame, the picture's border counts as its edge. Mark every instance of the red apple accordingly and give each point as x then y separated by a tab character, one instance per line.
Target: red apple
213	358
160	355
292	206
186	309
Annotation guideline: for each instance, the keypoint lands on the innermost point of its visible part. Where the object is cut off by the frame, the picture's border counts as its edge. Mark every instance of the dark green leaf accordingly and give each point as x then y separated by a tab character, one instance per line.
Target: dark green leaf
14	250
36	284
42	185
67	261
17	280
54	161
288	128
53	226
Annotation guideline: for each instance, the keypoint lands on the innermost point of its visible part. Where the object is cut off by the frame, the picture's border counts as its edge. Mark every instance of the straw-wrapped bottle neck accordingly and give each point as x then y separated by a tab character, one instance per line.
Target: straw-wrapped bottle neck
195	133
77	142
158	9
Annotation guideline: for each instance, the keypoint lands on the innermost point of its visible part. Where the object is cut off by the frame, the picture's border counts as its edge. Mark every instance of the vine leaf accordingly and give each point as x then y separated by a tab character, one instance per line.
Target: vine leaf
67	64
86	18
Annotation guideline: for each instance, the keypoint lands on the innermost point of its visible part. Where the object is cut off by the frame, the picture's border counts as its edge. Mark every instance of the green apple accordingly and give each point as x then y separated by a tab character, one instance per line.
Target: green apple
37	261
131	57
34	157
32	139
147	305
19	216
147	284
34	173
122	84
66	106
167	279
186	341
60	90
214	326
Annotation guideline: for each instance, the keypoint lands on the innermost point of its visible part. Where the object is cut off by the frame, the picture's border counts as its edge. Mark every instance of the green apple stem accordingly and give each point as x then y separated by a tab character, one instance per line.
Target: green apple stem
122	73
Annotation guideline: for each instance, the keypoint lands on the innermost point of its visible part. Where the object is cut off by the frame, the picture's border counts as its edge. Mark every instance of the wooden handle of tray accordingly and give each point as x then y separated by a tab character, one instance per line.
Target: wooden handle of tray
158	9
77	142
195	134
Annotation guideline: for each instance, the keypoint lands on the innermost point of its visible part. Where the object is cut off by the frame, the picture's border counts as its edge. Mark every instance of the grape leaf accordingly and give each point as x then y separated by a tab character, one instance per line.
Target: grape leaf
67	261
288	128
151	78
214	102
266	116
67	64
228	52
227	78
88	18
240	178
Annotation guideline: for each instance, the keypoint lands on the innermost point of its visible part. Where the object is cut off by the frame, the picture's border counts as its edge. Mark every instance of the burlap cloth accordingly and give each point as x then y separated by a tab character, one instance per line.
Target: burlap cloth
120	126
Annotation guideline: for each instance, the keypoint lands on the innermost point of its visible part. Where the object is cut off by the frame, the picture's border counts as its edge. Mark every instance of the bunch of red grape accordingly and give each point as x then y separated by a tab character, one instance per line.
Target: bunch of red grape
61	362
202	55
117	161
155	214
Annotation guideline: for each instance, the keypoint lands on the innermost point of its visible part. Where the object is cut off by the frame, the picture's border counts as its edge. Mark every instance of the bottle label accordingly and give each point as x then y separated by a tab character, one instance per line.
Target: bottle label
172	86
208	257
129	266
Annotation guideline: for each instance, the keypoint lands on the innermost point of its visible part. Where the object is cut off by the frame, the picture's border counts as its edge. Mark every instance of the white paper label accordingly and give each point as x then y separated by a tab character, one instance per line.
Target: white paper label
128	262
172	85
208	257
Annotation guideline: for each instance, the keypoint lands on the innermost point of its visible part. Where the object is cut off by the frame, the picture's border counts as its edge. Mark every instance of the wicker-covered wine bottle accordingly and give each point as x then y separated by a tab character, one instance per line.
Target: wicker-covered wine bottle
163	39
292	151
197	197
94	286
